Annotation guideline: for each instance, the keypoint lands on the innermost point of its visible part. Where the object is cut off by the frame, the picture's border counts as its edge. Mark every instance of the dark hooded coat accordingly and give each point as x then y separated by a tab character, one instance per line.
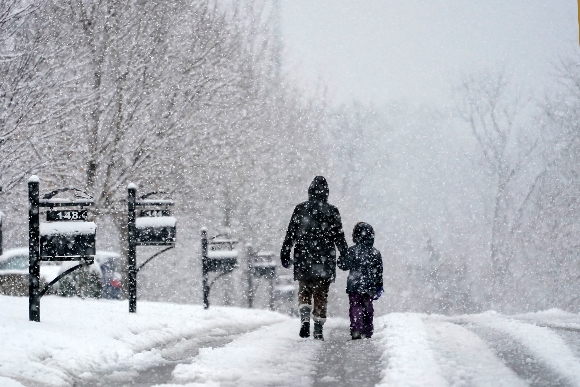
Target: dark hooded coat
314	230
363	261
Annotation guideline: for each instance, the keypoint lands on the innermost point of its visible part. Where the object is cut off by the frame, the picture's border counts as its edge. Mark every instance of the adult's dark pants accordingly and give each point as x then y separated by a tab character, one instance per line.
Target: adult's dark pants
316	291
361	313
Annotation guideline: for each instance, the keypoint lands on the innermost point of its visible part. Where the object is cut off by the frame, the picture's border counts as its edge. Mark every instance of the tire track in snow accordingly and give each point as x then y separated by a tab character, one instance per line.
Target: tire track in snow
544	344
519	357
346	362
571	336
465	359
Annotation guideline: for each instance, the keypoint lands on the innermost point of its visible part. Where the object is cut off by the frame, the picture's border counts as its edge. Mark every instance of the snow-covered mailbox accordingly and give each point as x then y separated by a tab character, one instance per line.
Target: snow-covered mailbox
67	235
218	254
285	291
261	264
155	230
67	241
151	225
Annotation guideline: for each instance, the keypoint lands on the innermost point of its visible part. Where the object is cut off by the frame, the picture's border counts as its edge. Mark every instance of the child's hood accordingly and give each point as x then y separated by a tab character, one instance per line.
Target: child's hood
364	234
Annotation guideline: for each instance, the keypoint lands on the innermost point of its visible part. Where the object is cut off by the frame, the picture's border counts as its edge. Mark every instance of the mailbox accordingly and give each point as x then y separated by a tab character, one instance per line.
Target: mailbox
221	255
264	265
67	241
65	236
149	223
159	230
218	254
285	288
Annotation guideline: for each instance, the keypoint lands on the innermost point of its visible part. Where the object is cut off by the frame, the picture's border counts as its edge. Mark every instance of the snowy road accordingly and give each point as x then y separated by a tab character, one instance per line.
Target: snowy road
481	350
342	361
97	343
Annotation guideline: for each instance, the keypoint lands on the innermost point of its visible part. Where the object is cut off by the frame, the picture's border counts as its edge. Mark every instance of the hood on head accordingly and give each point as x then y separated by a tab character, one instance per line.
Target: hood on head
363	233
318	189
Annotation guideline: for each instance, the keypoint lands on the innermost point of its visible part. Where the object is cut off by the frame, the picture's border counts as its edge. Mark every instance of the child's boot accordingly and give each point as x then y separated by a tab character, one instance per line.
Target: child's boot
305	321
318	330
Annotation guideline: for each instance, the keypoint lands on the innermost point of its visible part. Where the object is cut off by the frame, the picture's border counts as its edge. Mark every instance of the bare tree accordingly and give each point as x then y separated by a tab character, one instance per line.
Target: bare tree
551	242
28	77
512	147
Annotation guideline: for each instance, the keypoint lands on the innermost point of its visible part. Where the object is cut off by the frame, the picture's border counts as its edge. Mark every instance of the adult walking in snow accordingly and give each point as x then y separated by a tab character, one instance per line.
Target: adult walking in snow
314	230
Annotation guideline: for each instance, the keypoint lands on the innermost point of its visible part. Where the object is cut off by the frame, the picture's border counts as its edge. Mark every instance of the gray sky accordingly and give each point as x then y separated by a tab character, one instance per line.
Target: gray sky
380	50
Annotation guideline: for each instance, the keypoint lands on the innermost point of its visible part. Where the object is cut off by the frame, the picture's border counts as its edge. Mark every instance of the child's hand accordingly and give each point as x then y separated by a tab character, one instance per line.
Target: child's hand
379	294
341	262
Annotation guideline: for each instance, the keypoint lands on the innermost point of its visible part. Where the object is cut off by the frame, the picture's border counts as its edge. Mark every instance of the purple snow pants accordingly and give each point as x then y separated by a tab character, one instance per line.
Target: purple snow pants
361	313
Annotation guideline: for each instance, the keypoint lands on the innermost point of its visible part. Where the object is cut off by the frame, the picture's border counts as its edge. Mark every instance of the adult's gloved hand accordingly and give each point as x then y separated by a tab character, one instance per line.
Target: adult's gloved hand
286	261
379	293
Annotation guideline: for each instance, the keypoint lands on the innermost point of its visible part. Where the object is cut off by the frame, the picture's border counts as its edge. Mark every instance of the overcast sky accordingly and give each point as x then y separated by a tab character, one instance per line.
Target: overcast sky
380	50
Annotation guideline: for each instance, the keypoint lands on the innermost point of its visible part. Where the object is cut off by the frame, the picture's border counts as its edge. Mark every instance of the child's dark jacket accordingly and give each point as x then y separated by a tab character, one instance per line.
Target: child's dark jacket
365	264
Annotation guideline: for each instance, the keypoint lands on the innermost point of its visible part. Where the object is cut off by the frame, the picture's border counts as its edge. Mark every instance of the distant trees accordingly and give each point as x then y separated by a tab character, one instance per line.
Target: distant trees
551	242
187	97
511	144
32	108
476	205
28	79
357	137
181	96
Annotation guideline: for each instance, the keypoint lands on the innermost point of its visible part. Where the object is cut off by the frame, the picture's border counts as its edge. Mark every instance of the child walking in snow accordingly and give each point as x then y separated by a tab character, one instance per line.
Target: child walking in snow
365	280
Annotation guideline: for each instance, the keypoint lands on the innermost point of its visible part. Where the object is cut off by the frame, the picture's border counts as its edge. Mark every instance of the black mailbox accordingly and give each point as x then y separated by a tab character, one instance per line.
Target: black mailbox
67	241
66	236
285	288
221	255
218	254
149	223
152	230
264	265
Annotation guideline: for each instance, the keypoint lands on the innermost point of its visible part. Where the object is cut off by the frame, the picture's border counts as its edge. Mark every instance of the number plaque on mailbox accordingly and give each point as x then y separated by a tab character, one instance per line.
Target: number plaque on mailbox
66	215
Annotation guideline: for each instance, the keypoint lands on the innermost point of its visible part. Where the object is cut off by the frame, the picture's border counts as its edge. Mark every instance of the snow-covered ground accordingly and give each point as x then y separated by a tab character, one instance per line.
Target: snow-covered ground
97	342
78	340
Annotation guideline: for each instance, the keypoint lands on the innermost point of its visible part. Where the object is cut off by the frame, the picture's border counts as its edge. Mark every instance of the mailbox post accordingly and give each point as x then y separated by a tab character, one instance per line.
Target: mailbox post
66	236
1	219
1	216
218	254
33	249
132	250
261	265
153	225
250	258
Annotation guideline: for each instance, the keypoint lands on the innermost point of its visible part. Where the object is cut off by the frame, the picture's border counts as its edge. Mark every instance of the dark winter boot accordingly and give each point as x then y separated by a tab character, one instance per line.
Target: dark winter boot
318	331
305	321
356	335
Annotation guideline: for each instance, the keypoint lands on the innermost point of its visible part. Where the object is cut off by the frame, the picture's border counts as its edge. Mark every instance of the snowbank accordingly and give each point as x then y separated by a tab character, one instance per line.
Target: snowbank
408	359
81	340
83	337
